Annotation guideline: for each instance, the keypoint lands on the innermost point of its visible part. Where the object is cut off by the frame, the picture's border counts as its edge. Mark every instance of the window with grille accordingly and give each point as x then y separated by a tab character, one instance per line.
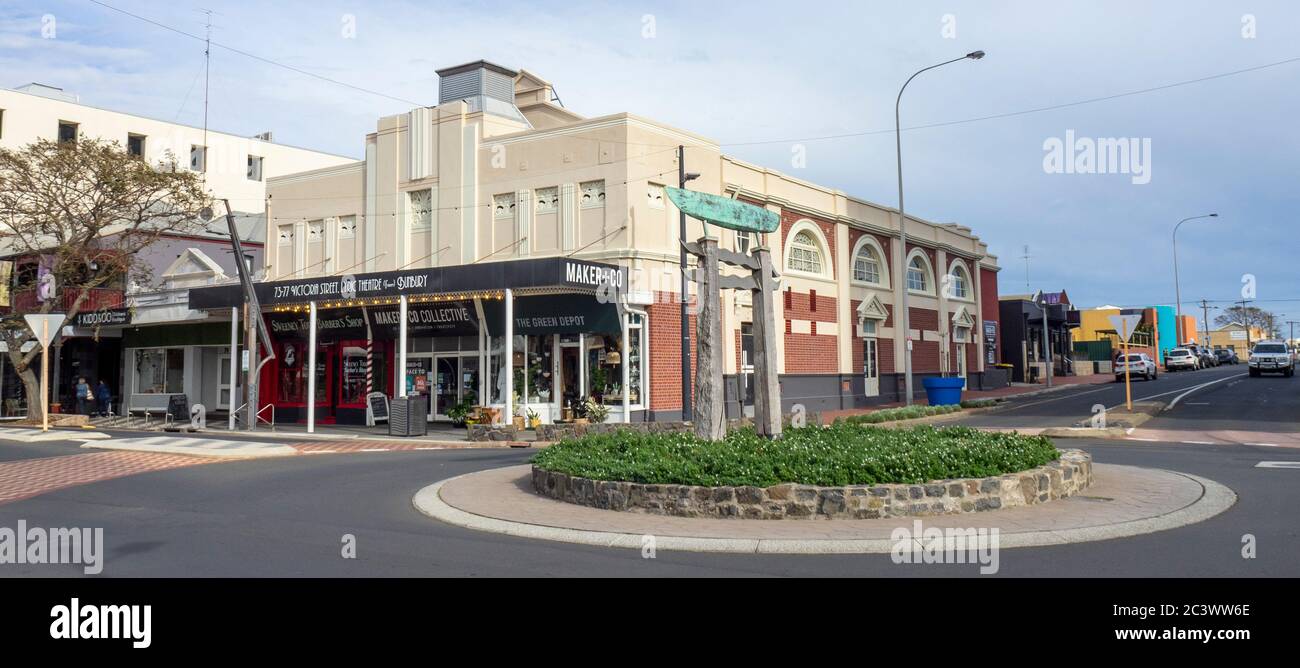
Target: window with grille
918	275
805	254
866	265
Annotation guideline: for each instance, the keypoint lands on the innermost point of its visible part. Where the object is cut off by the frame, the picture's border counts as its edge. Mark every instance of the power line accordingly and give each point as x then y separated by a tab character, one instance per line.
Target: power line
1035	110
847	135
256	57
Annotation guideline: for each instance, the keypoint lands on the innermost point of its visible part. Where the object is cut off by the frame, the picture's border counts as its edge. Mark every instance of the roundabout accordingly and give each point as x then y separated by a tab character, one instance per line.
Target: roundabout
1123	501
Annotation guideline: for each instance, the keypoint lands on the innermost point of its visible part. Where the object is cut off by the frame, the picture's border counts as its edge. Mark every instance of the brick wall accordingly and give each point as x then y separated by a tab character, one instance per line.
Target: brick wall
666	350
989	304
811	353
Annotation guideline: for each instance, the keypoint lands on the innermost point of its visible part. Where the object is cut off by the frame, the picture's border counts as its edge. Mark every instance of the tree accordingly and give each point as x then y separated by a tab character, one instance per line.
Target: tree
87	208
1250	316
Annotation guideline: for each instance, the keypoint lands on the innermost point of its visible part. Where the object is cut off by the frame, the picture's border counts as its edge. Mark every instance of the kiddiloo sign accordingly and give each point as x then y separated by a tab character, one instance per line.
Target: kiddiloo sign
516	274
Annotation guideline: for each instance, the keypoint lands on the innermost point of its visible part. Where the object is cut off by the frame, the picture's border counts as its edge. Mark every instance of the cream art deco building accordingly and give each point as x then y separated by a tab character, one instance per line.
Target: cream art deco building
498	191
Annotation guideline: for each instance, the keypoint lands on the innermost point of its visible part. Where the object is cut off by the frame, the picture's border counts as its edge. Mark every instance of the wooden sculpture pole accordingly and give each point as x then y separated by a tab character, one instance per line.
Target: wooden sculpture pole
710	421
767	393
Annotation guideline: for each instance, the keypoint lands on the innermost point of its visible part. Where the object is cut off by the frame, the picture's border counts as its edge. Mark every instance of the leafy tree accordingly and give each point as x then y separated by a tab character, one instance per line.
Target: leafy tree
90	209
1250	316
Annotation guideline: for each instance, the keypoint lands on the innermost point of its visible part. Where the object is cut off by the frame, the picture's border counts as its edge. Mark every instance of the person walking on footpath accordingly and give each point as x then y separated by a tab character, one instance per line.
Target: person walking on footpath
103	396
84	396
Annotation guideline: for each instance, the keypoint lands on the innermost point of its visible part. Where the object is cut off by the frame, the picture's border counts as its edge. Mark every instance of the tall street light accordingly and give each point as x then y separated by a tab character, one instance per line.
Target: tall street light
1178	295
902	221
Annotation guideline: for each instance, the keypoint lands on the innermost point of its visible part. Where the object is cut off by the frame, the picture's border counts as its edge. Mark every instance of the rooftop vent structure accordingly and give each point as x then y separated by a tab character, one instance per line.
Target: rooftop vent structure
484	86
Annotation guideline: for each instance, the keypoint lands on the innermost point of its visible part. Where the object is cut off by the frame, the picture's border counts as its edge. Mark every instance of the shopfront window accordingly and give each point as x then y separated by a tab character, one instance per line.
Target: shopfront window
353	391
540	374
292	386
160	371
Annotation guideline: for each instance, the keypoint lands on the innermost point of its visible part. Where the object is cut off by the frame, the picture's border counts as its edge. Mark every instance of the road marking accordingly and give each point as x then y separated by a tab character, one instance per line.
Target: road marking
1278	465
428	448
1198	403
1264	445
318	452
374	450
1189	391
1201	442
1134	438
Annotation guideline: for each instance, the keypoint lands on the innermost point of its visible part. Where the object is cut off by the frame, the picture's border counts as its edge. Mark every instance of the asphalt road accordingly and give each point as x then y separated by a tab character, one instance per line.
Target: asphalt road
1066	406
288	516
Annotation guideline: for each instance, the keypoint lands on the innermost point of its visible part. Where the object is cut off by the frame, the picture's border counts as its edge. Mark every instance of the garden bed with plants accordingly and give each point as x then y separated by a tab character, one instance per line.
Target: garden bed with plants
843	471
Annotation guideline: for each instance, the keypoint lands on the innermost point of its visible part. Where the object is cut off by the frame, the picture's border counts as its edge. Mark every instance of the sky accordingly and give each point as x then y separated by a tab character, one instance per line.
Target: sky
807	89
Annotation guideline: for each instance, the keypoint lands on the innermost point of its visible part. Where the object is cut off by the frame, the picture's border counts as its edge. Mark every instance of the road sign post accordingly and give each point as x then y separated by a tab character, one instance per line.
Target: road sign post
1124	326
43	326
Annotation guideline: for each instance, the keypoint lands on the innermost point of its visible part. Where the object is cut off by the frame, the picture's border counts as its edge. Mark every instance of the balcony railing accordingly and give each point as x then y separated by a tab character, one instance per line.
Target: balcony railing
25	301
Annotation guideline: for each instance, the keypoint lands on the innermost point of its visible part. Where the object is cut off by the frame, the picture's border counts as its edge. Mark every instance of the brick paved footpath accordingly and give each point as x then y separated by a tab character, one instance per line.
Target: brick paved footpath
26	478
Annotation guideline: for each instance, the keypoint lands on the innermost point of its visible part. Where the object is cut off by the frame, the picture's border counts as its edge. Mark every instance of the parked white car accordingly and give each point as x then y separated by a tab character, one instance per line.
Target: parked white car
1137	364
1271	357
1181	358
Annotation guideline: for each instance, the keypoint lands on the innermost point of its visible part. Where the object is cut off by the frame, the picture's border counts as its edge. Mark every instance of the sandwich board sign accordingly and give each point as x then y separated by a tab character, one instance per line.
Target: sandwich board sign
44	327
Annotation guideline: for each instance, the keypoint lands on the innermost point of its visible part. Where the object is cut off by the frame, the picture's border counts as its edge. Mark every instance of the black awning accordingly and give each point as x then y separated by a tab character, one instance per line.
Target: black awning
555	314
556	272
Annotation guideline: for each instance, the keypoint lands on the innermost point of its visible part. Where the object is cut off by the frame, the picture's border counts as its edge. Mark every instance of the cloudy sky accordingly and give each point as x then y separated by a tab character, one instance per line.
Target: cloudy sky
771	80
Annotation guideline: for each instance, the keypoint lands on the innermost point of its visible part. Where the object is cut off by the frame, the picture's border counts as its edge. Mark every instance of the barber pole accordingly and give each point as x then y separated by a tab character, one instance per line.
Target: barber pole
370	361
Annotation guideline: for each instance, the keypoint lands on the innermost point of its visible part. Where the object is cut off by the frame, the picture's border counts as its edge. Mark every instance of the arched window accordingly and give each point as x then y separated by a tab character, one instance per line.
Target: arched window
918	274
958	282
805	253
868	265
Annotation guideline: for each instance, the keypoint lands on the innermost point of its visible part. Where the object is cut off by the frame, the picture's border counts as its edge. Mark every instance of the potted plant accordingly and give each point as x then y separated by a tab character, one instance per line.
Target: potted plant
534	419
518	418
459	414
597	412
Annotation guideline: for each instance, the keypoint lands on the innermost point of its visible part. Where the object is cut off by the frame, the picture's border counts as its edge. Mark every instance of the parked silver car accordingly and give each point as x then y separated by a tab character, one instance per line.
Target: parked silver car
1181	358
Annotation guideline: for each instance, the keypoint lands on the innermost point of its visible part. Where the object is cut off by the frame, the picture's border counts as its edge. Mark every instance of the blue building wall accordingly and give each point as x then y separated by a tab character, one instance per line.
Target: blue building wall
1168	340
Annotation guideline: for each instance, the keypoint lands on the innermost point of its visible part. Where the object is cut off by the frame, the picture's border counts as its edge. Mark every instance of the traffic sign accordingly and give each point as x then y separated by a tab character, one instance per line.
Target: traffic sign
1124	325
44	325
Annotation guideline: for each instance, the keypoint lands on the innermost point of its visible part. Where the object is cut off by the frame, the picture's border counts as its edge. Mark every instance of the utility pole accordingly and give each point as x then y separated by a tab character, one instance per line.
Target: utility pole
1245	321
1291	337
1205	318
1026	257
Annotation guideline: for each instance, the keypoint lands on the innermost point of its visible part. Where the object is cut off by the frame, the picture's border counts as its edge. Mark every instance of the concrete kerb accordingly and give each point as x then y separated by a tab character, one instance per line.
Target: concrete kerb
1214	499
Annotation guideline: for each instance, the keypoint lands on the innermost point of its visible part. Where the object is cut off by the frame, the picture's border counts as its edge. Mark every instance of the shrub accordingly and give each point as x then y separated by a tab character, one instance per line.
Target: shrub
843	454
979	403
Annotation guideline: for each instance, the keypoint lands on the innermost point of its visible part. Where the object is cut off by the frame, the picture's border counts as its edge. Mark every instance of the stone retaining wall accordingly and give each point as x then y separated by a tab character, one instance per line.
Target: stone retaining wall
559	432
1054	480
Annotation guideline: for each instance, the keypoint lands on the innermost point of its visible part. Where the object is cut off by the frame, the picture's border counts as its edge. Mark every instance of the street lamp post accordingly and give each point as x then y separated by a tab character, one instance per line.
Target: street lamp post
1178	295
902	221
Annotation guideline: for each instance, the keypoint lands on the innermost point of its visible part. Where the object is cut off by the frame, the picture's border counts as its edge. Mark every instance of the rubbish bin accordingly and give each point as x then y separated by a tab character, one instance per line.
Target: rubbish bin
943	391
409	416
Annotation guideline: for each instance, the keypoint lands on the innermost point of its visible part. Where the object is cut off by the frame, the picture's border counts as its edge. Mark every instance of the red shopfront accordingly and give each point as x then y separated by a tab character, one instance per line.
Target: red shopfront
345	372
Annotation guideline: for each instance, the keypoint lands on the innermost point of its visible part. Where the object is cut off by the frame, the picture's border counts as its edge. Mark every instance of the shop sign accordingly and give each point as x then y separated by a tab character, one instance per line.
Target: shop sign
557	314
108	317
514	274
